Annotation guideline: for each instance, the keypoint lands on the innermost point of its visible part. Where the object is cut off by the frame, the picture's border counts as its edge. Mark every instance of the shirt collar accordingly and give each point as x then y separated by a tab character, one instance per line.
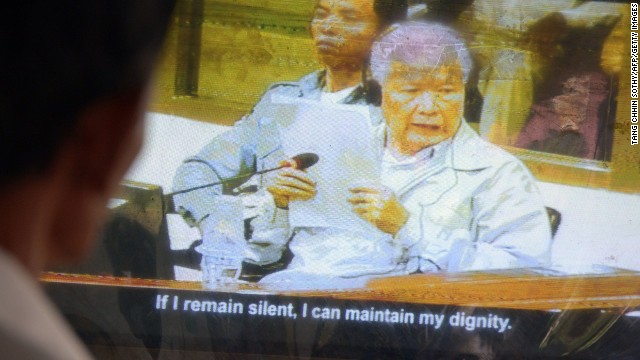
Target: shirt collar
311	87
337	97
465	151
430	153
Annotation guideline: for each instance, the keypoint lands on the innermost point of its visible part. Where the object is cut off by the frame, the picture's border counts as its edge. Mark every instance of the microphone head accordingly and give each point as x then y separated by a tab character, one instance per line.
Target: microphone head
305	160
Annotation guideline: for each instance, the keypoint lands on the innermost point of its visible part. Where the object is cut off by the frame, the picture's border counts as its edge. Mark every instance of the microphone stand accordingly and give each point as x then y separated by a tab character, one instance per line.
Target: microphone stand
223	181
302	161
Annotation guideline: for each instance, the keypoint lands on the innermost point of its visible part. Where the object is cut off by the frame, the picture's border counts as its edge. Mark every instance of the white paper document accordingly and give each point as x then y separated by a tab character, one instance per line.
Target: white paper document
344	142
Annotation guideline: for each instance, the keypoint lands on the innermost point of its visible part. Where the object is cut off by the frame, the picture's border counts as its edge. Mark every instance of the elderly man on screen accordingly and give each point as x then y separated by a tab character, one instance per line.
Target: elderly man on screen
454	201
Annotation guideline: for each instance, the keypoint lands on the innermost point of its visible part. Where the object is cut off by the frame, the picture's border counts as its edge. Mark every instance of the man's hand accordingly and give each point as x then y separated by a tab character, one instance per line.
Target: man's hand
291	184
378	205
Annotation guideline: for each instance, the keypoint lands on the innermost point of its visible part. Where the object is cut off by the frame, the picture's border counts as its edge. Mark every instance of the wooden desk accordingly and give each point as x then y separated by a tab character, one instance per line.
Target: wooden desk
516	289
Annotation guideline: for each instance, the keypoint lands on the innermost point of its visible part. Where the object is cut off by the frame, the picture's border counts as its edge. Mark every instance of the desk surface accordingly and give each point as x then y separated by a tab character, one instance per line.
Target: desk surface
517	289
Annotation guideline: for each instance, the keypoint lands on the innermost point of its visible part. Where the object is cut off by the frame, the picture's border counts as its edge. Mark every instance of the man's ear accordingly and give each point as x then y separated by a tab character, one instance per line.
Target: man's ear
107	139
89	168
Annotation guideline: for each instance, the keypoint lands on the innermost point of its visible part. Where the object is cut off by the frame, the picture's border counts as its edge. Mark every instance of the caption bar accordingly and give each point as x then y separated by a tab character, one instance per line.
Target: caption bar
361	314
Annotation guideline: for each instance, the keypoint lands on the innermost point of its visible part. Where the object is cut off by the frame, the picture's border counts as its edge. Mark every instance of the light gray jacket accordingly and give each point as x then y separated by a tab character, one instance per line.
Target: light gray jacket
475	207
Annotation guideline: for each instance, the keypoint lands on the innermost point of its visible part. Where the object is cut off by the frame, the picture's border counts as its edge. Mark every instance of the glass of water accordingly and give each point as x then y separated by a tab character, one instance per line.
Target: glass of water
223	243
220	268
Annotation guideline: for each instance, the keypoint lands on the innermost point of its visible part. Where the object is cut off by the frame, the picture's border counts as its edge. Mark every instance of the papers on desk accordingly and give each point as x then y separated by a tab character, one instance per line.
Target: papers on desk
343	139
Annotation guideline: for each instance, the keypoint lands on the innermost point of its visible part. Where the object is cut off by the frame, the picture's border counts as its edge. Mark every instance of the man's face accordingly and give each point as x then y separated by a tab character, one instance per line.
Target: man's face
422	106
343	31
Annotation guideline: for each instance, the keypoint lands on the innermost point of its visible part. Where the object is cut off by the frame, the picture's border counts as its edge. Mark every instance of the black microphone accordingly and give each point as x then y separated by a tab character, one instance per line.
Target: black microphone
302	161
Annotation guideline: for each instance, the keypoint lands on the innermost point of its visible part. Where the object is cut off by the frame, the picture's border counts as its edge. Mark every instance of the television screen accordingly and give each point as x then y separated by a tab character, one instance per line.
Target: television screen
377	179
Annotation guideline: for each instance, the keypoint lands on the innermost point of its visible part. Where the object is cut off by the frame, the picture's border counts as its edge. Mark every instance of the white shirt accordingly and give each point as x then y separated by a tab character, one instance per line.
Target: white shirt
336	97
30	326
398	170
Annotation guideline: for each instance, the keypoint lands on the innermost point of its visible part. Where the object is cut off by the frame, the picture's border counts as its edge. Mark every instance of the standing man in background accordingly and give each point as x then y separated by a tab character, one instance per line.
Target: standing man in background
74	88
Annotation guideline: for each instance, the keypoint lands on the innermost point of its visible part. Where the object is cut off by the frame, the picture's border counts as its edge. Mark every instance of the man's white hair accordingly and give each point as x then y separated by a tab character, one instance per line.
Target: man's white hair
419	44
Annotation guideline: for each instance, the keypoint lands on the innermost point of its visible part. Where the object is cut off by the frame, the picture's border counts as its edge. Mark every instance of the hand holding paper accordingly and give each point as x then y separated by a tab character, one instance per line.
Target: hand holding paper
291	184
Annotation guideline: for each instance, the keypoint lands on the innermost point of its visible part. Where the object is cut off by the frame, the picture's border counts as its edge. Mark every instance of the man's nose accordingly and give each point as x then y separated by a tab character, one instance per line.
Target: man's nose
425	104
